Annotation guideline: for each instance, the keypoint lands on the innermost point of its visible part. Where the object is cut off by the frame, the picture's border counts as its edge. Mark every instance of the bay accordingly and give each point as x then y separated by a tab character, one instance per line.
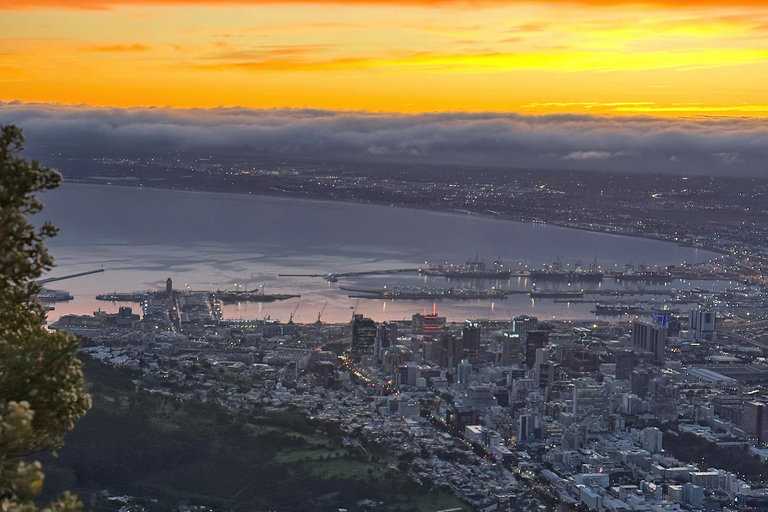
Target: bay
210	241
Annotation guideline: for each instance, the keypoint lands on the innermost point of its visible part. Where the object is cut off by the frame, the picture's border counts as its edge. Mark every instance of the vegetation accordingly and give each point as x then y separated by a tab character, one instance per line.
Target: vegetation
695	449
41	383
142	444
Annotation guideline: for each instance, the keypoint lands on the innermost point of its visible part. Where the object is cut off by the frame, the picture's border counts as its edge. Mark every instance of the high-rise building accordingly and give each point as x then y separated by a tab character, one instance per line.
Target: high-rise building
625	364
386	336
169	287
591	399
430	325
524	323
701	325
640	382
652	439
534	340
470	335
363	335
463	372
447	351
754	420
650	337
545	372
526	430
511	347
581	360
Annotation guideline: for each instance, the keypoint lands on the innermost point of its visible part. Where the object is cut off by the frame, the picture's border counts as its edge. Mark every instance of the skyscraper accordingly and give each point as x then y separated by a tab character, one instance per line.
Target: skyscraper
535	339
363	335
470	335
591	399
650	337
701	325
755	420
463	372
625	364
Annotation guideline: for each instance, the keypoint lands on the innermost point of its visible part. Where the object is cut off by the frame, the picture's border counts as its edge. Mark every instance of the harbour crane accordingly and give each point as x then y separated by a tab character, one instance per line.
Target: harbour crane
290	319
320	314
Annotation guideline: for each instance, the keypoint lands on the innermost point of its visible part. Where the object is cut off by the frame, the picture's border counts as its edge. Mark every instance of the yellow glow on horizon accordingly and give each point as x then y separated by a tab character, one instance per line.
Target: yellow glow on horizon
534	57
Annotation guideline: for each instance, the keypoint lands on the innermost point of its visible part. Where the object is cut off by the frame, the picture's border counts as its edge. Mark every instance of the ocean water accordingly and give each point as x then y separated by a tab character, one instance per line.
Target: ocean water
210	241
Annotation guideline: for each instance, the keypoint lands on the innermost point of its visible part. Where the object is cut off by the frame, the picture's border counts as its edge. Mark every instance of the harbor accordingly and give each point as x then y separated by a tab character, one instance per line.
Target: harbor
360	245
591	297
430	294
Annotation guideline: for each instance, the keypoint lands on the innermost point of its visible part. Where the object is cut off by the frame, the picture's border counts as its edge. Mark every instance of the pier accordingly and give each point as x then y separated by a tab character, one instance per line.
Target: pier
333	277
432	294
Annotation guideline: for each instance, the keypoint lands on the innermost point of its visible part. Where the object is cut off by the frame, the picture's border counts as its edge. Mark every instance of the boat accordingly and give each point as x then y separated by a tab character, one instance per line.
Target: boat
48	295
644	274
124	297
243	296
567	275
472	269
431	294
556	294
556	272
650	276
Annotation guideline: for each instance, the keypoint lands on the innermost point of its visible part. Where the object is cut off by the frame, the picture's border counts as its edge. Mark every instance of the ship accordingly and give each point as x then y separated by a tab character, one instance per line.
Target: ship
556	272
227	296
124	297
48	295
644	274
566	275
472	269
432	294
556	294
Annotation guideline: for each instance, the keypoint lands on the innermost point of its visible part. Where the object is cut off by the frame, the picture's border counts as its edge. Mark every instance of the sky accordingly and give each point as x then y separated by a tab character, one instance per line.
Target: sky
641	72
616	57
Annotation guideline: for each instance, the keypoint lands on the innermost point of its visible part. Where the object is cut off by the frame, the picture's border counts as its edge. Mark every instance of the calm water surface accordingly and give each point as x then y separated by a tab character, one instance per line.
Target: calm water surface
209	241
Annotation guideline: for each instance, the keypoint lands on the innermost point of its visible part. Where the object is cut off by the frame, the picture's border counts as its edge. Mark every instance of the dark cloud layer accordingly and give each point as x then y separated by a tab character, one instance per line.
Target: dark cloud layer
712	146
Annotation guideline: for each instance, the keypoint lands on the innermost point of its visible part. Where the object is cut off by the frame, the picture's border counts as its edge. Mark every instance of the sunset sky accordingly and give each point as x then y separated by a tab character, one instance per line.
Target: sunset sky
681	58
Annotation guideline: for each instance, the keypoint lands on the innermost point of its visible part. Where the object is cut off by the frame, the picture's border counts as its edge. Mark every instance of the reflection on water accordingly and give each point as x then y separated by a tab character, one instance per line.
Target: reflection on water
210	241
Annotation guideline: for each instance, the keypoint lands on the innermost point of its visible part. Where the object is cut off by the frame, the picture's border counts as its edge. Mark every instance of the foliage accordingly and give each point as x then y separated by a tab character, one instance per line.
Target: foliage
41	382
689	447
162	448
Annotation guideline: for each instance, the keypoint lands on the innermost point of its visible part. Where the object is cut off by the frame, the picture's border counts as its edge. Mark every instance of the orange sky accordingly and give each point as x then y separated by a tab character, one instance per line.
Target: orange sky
678	58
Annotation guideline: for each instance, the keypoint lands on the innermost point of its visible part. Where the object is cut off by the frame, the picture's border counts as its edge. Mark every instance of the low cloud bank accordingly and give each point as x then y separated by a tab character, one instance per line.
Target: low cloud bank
709	146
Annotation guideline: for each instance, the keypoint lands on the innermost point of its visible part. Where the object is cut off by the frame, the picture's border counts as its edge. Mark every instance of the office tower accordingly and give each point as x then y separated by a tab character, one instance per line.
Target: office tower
754	420
640	382
652	439
511	347
701	325
463	372
591	399
429	324
535	339
470	335
524	323
625	364
650	337
363	335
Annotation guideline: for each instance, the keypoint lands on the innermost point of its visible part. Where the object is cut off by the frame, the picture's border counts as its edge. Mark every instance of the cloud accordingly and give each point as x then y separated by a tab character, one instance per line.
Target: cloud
710	146
593	155
116	48
302	60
